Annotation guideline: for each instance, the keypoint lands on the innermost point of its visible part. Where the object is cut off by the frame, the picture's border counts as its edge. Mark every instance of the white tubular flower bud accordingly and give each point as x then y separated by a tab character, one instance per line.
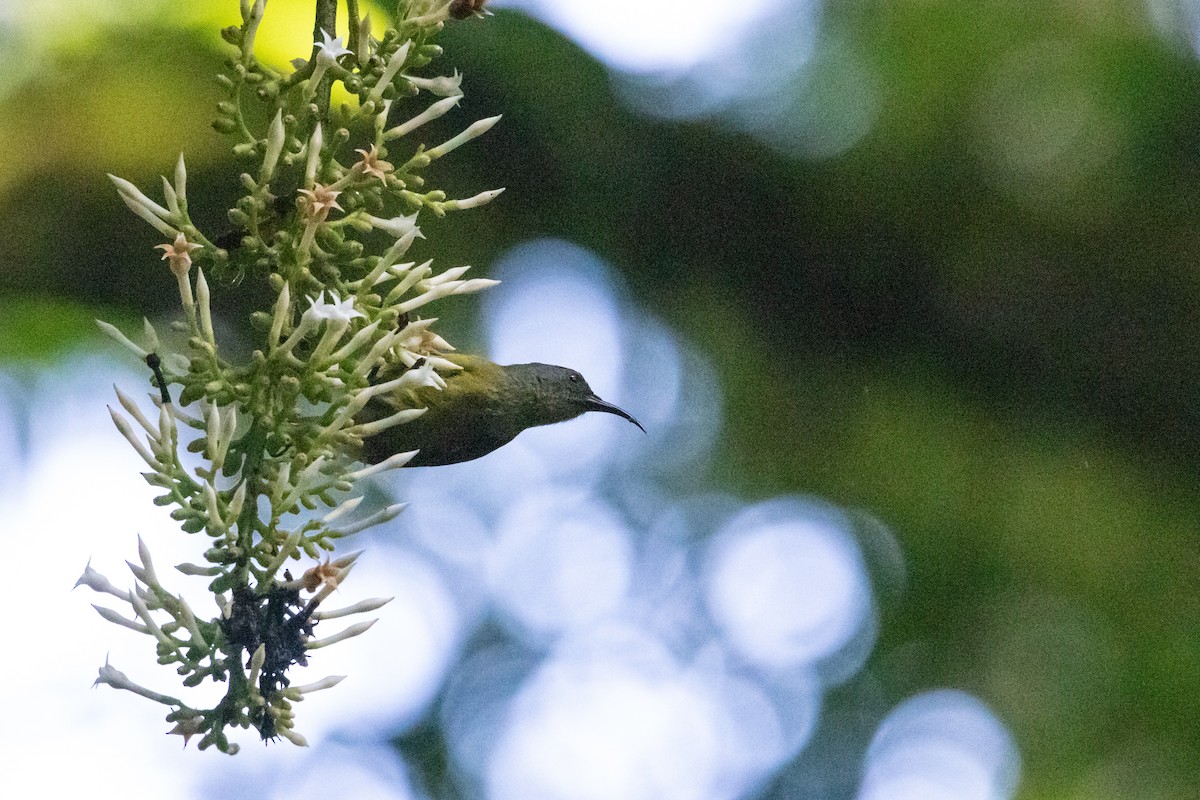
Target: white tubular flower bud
477	129
214	433
228	429
438	291
334	330
139	605
291	735
352	631
235	505
324	683
169	194
133	195
147	563
356	342
389	72
372	358
150	334
346	561
378	518
483	198
345	508
149	216
452	274
475	285
135	412
211	505
437	362
281	483
314	157
118	619
389	258
358	608
283	305
275	139
285	552
181	180
196	570
438	109
378	426
189	622
166	423
122	339
138	572
127	431
185	295
309	477
410	280
423	376
202	300
392	462
256	663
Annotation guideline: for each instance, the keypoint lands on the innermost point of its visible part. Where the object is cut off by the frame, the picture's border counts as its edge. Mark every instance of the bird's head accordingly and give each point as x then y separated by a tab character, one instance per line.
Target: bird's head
561	394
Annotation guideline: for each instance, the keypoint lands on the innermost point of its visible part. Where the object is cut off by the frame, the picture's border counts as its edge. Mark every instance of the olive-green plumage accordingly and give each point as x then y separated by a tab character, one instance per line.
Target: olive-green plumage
482	407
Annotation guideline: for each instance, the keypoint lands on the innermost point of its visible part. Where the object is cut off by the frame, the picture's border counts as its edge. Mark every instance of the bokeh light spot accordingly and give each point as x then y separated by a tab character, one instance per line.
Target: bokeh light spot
559	562
941	744
607	724
649	35
1043	119
786	586
364	773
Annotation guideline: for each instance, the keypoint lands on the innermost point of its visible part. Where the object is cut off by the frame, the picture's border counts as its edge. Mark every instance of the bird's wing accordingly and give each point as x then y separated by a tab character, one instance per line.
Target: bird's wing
463	421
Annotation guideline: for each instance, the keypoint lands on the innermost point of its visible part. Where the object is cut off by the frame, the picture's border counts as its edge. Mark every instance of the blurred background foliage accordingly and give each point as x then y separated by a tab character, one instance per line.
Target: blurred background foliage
943	255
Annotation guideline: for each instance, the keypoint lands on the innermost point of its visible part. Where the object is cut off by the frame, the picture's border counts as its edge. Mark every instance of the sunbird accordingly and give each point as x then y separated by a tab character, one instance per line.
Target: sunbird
482	407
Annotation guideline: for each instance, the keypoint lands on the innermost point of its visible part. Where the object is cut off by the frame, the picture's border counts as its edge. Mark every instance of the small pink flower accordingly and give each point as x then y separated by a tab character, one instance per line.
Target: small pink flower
180	254
371	165
318	202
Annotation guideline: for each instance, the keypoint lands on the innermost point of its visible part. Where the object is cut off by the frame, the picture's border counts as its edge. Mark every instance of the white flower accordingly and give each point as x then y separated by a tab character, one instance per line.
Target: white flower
396	226
97	582
334	310
442	86
113	677
424	375
331	49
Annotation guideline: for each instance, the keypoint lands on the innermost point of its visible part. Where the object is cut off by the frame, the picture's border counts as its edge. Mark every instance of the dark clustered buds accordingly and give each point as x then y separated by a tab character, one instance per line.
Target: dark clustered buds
461	9
282	623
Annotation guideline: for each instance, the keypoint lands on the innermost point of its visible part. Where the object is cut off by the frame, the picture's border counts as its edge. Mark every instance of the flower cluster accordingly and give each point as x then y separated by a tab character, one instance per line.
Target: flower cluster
278	434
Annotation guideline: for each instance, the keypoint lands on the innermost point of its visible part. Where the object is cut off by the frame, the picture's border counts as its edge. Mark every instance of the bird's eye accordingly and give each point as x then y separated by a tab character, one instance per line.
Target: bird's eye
574	377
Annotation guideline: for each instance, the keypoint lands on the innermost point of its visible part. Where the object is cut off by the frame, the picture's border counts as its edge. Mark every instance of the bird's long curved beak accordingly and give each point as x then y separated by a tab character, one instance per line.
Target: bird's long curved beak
594	403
